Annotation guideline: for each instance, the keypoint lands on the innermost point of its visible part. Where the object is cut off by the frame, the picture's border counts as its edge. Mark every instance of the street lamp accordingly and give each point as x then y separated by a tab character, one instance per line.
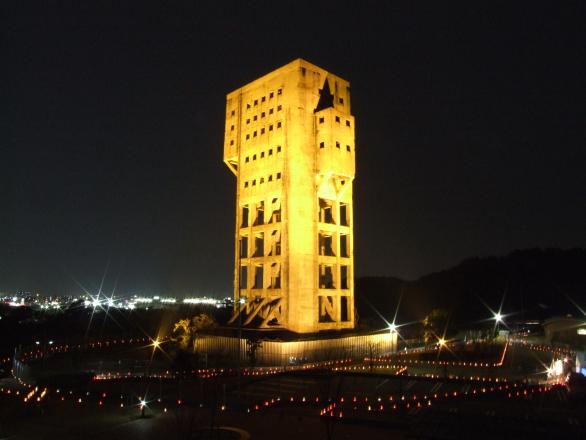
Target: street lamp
498	319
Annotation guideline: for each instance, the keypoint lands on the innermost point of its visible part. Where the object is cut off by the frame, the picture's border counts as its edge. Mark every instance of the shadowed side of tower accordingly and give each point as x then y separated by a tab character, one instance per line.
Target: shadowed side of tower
289	140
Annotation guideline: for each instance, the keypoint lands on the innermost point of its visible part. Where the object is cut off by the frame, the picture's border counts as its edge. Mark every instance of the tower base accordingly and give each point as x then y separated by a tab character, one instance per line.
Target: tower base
268	348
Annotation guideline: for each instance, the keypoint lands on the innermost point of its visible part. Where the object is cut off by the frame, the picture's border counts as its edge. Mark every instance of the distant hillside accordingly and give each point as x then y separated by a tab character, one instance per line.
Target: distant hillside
536	283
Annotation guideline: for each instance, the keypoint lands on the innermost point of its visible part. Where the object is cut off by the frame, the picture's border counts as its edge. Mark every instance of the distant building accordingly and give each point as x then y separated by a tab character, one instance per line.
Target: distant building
565	330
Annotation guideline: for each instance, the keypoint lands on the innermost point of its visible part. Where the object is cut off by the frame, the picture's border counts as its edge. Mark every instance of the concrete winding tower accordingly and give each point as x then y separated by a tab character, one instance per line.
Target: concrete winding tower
289	140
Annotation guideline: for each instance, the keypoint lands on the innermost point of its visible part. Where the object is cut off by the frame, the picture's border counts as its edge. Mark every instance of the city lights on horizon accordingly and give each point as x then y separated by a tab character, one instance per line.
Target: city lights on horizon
103	302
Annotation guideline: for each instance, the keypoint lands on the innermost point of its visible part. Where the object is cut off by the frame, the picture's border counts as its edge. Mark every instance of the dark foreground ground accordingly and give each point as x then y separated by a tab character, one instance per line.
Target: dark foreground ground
263	410
406	396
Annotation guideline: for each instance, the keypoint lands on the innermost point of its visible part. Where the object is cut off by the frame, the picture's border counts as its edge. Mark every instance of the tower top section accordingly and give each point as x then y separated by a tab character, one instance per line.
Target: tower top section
296	65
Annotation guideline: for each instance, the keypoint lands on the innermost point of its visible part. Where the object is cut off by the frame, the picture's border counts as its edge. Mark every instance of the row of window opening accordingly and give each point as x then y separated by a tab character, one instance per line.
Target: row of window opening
327	308
327	215
328	278
263	130
338	146
257	211
262	154
255	117
322	119
329	246
263	114
262	180
255	247
263	99
258	276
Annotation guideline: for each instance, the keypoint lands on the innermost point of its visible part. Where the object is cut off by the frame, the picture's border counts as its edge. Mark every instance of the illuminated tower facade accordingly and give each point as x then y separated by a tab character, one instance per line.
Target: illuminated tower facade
289	140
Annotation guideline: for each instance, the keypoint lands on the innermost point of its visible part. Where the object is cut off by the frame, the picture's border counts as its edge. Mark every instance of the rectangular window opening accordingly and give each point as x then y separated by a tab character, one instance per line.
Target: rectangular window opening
244	246
243	277
344	277
326	245
244	215
344	246
326	309
259	245
344	215
275	243
325	211
344	309
258	277
326	276
275	276
276	210
260	214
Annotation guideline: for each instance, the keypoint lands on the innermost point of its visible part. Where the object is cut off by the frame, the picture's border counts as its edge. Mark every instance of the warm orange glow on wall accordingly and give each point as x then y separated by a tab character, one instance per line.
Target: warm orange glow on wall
289	140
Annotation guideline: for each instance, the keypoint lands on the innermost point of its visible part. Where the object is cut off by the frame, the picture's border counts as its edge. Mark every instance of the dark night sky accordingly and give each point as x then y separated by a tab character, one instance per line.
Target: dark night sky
470	133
